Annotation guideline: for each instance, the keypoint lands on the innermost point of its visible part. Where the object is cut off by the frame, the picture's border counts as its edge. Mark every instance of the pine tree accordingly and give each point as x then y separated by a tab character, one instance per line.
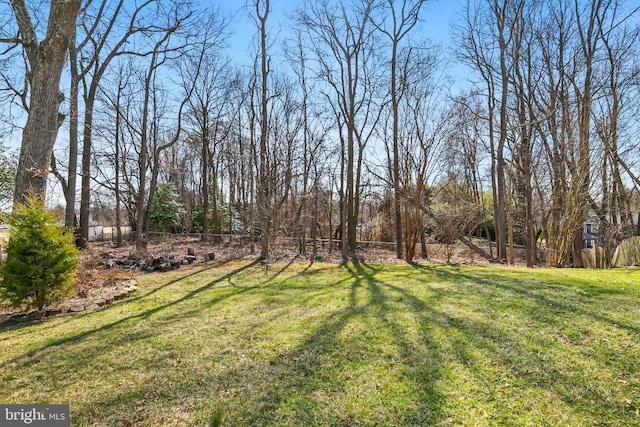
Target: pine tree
41	259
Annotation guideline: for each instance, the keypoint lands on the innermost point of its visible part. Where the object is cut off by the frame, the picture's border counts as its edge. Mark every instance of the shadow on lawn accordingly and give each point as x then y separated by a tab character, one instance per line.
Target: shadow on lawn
304	384
565	300
422	358
526	356
318	372
33	355
317	379
490	354
17	326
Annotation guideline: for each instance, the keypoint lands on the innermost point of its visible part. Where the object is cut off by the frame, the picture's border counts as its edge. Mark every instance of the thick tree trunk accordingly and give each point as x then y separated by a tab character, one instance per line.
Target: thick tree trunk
46	61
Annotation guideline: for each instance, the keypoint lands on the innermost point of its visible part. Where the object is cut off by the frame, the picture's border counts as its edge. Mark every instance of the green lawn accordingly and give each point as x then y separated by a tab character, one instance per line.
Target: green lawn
396	345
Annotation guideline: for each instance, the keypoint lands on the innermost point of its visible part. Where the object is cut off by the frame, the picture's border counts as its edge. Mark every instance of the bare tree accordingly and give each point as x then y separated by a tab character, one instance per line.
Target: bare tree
45	61
313	157
110	164
613	115
422	132
524	87
485	40
573	46
260	14
556	131
139	106
208	119
92	63
342	43
404	16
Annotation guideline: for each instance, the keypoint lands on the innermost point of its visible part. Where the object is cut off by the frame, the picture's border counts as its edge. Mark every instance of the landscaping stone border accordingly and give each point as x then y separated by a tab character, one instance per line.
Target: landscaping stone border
99	299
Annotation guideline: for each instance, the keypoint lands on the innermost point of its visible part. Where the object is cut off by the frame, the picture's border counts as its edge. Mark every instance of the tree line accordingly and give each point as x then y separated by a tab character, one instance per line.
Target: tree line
345	126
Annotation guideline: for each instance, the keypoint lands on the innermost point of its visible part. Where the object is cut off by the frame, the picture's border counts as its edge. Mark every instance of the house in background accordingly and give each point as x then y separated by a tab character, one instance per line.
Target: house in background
590	229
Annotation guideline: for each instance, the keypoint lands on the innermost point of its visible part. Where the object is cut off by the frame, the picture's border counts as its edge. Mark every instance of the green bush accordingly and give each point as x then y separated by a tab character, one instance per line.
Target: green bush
167	210
41	259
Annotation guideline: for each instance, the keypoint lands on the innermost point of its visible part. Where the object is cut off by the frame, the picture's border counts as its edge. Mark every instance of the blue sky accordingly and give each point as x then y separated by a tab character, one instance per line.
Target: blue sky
437	17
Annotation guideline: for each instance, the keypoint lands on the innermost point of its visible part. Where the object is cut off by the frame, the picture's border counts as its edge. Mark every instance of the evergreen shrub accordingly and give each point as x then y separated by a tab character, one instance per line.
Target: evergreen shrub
41	258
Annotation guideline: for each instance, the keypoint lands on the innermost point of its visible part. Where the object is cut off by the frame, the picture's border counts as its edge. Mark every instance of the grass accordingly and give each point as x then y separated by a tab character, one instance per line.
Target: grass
396	345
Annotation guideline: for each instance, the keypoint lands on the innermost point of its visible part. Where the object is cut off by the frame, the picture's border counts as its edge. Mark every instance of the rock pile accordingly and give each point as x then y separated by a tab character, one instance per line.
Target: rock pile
150	263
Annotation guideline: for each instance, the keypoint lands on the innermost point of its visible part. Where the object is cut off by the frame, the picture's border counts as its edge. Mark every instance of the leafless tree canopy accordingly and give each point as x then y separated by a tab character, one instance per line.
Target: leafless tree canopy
335	124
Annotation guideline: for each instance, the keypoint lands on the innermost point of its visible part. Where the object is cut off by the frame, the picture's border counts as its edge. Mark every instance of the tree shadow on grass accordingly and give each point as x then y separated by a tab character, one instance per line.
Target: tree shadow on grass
386	343
196	271
17	326
419	353
524	347
133	319
330	376
316	378
564	302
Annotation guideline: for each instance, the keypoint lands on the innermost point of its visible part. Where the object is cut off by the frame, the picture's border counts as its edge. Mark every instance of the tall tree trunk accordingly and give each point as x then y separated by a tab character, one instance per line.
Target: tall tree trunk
117	176
46	60
396	153
501	235
263	183
70	197
205	173
589	38
403	21
141	208
85	193
352	191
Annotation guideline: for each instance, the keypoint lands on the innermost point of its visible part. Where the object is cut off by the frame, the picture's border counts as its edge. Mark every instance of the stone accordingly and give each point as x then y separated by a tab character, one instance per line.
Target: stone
92	306
119	294
100	302
76	308
34	315
128	263
18	318
53	311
